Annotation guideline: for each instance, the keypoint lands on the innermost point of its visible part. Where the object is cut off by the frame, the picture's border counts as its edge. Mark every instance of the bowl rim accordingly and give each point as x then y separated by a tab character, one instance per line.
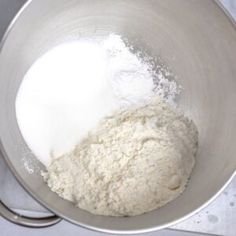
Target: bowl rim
87	226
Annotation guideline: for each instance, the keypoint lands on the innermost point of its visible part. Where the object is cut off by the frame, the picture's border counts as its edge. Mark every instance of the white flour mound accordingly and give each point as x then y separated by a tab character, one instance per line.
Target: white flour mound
134	162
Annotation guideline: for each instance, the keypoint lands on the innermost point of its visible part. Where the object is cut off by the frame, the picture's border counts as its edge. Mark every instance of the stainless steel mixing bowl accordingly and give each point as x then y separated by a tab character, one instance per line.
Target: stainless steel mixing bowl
195	39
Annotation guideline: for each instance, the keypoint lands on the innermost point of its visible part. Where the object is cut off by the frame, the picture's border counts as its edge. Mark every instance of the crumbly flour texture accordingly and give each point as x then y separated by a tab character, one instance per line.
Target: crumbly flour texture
135	161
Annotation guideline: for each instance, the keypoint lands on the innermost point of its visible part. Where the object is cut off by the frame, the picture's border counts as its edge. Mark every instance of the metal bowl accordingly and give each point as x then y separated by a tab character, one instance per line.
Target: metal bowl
195	39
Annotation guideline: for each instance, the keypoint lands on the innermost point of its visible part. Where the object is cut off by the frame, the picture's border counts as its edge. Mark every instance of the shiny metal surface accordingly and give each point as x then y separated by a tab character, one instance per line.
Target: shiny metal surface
181	32
218	218
34	222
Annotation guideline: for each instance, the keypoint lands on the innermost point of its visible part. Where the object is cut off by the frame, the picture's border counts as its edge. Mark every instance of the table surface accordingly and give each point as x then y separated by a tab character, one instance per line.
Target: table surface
219	218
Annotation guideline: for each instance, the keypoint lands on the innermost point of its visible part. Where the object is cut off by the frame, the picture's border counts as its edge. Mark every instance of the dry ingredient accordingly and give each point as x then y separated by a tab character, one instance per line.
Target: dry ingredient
99	117
135	161
72	87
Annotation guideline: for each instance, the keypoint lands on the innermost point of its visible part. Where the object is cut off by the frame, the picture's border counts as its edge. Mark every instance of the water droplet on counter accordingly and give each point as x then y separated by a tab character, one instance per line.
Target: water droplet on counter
213	219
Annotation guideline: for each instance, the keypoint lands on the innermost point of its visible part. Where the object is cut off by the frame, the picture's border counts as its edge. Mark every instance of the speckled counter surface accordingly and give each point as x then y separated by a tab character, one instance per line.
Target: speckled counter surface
219	218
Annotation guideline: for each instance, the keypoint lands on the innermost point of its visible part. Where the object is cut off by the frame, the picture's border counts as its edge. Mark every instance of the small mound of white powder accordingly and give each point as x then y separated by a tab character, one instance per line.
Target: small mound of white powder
134	162
73	86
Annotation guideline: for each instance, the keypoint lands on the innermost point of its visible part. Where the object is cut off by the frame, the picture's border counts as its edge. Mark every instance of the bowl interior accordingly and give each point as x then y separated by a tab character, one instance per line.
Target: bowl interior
194	38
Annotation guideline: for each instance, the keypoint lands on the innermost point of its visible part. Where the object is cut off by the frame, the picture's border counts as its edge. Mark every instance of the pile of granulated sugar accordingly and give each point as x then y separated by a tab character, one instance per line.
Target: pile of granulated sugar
72	87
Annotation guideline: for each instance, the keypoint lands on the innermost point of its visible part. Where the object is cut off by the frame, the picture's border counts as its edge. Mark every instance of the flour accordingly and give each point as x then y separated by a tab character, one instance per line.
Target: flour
99	117
135	161
72	87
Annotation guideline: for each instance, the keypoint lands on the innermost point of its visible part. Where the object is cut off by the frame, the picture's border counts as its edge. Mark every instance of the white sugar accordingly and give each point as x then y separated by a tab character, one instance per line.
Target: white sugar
70	88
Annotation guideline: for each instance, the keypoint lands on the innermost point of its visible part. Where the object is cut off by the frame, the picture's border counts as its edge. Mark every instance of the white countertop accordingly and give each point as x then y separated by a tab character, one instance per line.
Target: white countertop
219	218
